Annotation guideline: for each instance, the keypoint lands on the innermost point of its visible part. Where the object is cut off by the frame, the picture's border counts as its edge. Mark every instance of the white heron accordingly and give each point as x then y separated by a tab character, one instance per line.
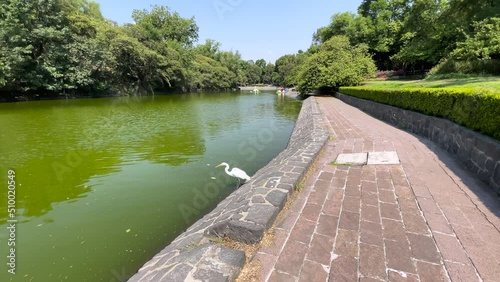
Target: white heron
235	172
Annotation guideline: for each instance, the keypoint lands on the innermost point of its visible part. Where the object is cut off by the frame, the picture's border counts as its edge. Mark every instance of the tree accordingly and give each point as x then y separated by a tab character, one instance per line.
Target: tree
483	43
267	76
283	69
35	39
337	63
161	25
207	73
210	49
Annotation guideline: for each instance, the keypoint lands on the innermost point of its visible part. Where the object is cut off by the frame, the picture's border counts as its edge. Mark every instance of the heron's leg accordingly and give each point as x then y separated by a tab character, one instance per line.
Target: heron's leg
238	184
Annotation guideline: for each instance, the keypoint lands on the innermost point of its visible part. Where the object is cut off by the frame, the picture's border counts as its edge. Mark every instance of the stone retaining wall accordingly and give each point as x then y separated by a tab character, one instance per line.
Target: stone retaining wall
479	153
245	215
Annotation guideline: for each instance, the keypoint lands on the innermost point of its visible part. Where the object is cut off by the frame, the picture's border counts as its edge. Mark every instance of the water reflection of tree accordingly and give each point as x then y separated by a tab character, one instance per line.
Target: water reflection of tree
287	107
57	147
44	182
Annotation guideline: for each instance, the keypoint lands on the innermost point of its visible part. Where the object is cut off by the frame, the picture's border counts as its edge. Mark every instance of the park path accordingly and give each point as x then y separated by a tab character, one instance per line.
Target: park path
425	219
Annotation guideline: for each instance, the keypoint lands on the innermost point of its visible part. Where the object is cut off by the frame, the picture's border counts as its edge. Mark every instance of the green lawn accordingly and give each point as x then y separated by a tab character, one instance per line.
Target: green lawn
489	83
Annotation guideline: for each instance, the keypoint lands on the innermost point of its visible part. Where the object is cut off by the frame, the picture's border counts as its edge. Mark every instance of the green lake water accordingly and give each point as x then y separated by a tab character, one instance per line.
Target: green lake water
102	185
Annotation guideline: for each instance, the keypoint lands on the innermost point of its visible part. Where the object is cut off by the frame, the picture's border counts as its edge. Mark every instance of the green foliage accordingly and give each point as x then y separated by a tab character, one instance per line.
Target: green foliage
482	44
472	66
52	47
337	63
283	69
477	110
417	34
161	25
206	73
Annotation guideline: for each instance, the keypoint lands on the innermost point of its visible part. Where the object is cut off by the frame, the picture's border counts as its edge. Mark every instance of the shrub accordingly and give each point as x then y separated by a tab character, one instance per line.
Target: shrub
465	106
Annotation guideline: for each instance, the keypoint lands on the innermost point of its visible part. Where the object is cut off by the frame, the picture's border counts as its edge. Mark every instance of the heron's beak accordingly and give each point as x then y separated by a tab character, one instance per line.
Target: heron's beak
219	165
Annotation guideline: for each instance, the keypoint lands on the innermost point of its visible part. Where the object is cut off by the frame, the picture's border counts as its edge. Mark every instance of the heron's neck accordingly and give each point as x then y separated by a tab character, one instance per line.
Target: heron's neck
227	168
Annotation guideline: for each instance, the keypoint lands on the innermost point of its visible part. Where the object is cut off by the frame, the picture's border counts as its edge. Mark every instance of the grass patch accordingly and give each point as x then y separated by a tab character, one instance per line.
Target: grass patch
481	83
334	163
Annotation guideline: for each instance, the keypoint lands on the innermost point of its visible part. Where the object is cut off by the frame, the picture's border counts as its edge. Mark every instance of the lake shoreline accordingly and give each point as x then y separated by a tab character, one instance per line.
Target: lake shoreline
245	215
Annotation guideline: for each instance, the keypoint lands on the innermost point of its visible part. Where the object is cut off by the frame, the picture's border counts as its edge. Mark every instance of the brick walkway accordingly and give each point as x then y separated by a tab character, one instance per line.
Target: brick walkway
423	220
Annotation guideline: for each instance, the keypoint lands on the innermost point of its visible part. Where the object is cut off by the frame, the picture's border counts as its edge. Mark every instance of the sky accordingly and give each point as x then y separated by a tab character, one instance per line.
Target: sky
256	28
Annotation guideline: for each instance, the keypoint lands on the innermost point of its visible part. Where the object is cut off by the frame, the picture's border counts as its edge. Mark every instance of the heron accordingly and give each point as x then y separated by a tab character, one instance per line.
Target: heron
235	172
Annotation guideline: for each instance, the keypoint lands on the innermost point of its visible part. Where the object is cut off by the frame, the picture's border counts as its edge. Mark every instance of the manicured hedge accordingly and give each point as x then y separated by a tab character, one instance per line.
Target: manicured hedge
468	107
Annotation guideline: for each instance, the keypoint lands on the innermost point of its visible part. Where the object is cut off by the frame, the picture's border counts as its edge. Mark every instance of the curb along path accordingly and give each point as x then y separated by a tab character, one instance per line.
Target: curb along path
426	219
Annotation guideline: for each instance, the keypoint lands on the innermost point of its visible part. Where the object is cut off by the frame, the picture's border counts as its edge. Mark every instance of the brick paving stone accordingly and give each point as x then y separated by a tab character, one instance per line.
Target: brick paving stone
371	233
325	176
320	249
404	192
398	256
339	181
415	223
372	261
475	216
444	200
349	220
423	248
368	173
311	211
287	221
383	175
312	271
459	272
387	196
485	263
353	189
347	243
451	249
384	184
332	207
398	175
368	198
461	199
327	225
421	191
369	186
370	213
344	269
393	230
430	272
274	247
390	211
428	205
456	217
303	230
292	257
438	223
266	264
351	204
409	205
317	197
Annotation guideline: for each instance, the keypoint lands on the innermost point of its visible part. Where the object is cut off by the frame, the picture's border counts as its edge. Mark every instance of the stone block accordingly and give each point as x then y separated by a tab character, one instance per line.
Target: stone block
378	158
277	198
352	159
262	214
